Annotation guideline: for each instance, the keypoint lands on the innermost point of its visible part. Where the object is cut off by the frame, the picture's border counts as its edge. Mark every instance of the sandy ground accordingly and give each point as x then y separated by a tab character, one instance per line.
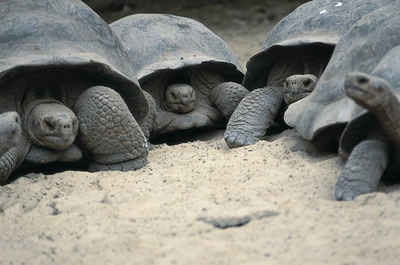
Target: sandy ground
202	203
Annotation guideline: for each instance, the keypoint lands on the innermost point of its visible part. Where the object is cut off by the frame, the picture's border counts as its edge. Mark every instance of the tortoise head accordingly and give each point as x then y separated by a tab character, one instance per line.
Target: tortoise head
180	98
49	123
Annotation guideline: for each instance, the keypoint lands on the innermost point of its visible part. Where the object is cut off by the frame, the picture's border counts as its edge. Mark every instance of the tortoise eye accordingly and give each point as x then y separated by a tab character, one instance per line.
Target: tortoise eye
362	80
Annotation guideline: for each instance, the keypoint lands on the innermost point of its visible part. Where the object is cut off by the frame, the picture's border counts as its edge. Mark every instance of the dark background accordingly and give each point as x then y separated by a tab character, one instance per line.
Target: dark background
197	9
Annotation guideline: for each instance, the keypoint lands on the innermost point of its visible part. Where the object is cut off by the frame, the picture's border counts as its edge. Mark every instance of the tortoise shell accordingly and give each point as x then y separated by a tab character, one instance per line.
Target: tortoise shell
311	30
159	42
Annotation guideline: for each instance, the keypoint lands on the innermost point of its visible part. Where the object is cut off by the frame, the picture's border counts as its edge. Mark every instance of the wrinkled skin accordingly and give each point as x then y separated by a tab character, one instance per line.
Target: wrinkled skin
109	131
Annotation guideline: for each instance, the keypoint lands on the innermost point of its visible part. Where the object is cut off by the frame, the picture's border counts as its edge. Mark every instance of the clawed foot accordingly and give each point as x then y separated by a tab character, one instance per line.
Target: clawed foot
363	170
348	190
237	139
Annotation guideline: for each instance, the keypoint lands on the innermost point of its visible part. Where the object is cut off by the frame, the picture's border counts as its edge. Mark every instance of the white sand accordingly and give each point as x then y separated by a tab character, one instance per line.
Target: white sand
280	190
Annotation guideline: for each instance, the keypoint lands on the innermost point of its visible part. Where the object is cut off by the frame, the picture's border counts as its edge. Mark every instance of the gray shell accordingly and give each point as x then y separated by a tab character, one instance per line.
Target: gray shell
158	42
316	24
36	34
357	128
359	50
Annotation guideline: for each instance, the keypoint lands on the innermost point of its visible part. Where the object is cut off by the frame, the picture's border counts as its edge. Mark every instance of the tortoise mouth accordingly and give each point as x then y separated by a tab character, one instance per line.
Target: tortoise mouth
185	107
54	142
291	98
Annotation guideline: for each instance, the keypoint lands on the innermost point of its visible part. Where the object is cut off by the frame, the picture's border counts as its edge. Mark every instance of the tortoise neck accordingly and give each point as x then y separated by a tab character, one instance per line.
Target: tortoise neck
388	114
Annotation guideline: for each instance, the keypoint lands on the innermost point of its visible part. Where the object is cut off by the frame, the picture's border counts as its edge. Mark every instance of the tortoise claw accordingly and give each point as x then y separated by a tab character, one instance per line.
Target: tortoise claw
238	139
348	190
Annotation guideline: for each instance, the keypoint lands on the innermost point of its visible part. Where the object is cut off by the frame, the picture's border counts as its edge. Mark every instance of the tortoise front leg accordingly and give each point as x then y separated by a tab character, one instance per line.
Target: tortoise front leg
10	134
109	131
363	170
227	96
8	163
254	115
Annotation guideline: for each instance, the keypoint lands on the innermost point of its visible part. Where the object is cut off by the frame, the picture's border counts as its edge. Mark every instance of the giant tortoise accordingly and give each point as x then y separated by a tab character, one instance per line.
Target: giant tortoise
323	115
65	73
371	140
191	75
292	58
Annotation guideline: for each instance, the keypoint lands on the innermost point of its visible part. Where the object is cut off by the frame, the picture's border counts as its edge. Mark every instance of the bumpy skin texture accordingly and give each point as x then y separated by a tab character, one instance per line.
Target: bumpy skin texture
109	131
255	113
227	96
363	170
10	132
